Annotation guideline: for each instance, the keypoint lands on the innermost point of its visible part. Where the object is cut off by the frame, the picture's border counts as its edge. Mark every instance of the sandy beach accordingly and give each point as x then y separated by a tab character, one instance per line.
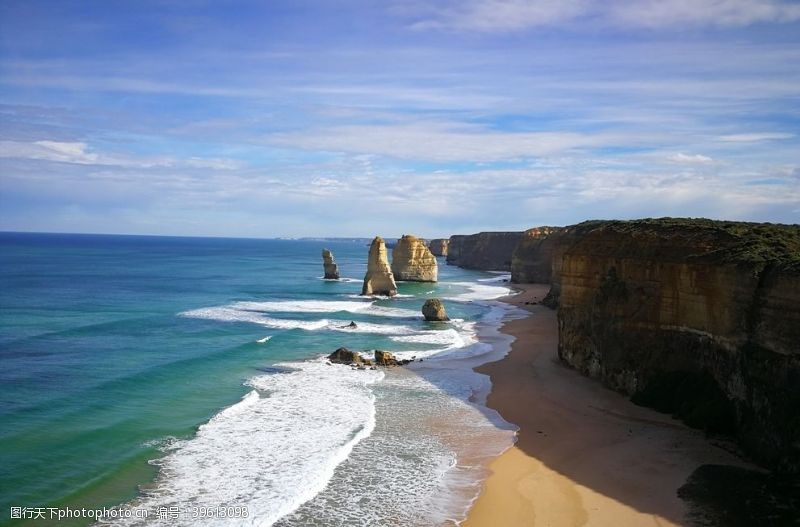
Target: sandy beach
585	455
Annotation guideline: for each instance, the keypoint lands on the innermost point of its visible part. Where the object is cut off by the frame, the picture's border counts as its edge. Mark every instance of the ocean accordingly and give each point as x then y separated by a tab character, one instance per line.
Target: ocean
185	377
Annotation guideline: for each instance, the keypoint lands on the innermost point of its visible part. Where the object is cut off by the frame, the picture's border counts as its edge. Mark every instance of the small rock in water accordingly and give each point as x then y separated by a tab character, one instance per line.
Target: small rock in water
433	310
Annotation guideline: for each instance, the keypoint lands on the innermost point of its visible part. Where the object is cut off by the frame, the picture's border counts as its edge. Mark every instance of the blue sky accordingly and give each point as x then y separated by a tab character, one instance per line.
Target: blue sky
355	118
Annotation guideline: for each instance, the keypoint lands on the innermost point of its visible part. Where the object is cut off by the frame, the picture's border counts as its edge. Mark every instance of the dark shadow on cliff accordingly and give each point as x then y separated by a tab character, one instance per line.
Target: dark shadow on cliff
721	495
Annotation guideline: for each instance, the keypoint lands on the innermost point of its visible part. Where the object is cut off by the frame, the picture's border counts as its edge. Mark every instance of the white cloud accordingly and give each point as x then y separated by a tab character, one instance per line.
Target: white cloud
754	137
665	13
503	15
65	152
690	159
79	153
443	141
490	16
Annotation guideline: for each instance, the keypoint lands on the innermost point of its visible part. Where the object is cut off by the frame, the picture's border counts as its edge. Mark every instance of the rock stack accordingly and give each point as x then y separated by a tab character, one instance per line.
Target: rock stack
433	310
439	246
412	261
331	269
379	279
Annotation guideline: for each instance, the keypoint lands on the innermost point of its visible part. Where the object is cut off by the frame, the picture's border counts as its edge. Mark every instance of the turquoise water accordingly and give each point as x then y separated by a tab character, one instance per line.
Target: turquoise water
116	348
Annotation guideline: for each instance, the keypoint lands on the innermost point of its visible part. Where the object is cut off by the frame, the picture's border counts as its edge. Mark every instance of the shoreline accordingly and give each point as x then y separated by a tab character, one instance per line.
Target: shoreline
584	454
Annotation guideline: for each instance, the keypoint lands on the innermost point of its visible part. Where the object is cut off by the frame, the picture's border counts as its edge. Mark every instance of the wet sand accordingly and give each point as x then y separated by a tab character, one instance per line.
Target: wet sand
585	455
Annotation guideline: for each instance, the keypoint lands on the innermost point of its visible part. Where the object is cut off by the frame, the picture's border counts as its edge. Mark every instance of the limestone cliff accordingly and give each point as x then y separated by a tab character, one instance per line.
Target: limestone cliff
696	317
329	265
438	246
412	261
379	279
532	260
488	251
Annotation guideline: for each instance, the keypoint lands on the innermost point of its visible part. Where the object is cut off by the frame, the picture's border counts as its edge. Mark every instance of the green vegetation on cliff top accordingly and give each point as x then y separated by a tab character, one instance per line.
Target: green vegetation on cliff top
733	241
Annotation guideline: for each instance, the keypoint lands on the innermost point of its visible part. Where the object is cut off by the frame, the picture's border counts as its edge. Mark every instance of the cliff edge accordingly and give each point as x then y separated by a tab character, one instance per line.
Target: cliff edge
698	318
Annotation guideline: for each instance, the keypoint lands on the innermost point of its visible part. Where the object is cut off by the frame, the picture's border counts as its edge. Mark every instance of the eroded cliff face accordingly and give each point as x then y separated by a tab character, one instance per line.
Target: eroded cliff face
488	251
412	261
532	260
379	279
701	318
438	246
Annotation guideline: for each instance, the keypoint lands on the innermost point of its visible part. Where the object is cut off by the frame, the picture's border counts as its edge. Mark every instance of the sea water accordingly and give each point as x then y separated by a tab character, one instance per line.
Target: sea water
202	360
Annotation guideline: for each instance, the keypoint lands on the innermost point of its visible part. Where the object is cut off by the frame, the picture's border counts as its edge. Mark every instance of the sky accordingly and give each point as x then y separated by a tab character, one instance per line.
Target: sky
356	118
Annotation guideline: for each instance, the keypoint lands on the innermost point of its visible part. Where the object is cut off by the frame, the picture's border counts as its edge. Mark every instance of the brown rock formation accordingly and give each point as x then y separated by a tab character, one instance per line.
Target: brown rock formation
433	310
379	279
438	246
532	261
331	269
346	356
412	261
385	358
488	251
694	317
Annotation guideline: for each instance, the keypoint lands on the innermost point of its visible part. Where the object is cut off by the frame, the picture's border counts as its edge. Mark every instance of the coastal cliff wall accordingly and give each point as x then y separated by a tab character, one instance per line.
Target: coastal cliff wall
694	317
488	251
532	260
438	246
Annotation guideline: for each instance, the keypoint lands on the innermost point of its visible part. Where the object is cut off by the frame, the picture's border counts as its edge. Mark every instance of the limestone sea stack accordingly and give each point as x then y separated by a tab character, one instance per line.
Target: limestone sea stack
379	279
433	310
412	261
438	246
331	269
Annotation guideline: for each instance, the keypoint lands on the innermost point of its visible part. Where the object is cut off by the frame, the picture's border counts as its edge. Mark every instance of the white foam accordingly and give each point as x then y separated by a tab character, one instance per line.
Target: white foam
447	337
263	340
505	277
303	306
480	291
244	312
269	453
367	327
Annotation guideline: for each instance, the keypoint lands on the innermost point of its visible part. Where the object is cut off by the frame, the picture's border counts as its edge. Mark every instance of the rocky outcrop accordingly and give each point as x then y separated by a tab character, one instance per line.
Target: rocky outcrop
695	317
379	279
346	356
329	265
532	260
488	251
412	261
433	310
385	358
438	246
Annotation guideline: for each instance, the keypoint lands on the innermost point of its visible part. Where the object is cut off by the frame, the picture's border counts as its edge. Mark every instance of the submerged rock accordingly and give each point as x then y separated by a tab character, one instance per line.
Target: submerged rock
412	261
331	269
433	310
379	279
